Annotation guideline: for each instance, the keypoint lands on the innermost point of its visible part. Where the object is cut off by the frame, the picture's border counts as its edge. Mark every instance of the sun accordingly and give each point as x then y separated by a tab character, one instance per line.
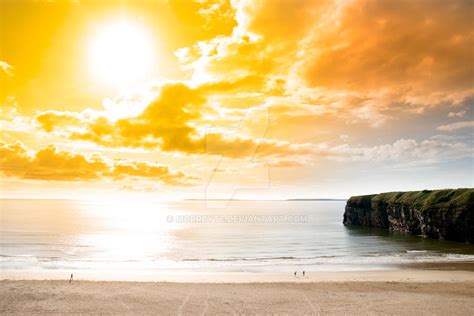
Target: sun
121	53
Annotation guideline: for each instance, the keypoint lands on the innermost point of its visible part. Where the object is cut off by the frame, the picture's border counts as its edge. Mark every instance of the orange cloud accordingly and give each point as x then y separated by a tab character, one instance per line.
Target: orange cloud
420	47
264	42
52	164
359	58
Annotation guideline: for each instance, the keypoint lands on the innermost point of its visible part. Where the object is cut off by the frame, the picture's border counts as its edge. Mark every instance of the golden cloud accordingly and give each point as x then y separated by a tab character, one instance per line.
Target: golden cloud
171	123
323	64
202	19
6	68
52	164
287	164
50	120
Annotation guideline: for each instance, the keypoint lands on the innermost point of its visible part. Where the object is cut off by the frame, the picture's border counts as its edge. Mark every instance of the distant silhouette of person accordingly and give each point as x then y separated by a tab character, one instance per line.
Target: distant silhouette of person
295	273
70	279
303	273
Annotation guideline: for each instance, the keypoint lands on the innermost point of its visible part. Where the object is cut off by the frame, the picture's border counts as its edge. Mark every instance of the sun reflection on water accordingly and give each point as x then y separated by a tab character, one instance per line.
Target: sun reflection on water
128	231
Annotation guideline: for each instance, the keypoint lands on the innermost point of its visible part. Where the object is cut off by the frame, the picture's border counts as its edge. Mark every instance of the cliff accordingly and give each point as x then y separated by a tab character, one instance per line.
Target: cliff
440	214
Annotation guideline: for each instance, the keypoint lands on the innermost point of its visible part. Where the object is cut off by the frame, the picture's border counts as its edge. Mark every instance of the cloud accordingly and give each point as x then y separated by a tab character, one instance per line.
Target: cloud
286	164
420	48
455	126
51	120
49	164
146	170
321	64
164	123
6	68
58	165
171	122
365	56
457	114
402	150
11	120
198	19
263	43
238	147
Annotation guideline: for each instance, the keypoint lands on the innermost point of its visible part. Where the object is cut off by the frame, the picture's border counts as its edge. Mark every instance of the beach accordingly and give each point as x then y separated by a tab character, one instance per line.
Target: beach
421	292
276	157
141	263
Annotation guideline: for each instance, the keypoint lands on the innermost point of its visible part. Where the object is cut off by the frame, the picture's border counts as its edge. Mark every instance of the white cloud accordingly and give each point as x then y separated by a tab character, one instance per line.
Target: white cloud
401	150
455	126
457	114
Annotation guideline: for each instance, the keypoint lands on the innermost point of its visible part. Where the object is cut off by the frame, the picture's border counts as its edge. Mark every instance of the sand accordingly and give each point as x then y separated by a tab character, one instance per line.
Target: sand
423	275
445	292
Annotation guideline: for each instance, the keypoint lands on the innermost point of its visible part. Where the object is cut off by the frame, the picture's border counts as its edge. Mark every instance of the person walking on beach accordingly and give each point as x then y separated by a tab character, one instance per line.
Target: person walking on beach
303	273
295	273
70	279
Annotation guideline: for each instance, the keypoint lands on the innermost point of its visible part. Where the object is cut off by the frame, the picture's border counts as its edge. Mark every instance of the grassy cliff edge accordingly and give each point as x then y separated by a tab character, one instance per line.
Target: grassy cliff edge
442	214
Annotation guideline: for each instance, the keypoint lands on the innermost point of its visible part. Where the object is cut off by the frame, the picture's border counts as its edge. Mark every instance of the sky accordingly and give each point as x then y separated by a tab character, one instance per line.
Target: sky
240	99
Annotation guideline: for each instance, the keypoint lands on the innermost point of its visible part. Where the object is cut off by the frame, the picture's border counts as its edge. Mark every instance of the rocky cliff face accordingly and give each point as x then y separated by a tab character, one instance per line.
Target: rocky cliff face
440	214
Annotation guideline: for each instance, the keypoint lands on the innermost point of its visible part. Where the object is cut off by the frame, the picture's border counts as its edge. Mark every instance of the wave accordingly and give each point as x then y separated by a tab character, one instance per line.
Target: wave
410	256
240	259
254	264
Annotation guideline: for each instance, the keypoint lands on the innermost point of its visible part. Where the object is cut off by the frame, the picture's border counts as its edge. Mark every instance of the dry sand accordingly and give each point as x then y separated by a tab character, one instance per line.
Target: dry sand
375	295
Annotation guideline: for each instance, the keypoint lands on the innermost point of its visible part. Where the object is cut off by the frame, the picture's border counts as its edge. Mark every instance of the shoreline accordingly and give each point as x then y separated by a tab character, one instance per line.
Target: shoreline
421	274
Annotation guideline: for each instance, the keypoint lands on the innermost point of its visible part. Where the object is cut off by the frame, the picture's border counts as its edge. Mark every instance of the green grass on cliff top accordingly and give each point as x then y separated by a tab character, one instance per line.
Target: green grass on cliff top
449	198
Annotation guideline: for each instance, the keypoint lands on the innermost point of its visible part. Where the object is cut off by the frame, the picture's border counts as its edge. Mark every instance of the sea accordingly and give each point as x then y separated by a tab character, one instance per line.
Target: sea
197	236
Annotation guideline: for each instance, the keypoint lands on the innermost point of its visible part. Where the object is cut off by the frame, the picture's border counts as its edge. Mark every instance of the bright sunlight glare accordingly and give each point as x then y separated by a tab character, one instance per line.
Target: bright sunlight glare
121	53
